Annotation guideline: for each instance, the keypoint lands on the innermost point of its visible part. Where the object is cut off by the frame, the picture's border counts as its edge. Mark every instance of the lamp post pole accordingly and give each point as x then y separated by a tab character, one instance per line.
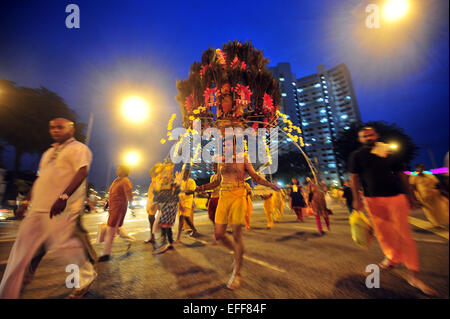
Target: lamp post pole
89	128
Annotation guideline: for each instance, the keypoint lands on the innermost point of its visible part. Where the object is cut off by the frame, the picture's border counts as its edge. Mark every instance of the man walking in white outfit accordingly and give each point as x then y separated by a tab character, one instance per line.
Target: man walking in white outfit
52	221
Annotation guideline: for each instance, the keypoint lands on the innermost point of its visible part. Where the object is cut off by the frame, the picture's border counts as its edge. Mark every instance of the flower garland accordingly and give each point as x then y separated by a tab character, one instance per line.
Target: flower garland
290	128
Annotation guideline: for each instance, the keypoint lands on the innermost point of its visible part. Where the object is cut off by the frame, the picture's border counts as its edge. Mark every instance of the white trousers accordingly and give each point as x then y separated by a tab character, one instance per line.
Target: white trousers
57	235
106	234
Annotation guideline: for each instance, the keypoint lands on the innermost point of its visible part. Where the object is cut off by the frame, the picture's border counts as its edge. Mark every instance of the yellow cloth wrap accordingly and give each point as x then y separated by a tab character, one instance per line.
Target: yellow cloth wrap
268	209
232	204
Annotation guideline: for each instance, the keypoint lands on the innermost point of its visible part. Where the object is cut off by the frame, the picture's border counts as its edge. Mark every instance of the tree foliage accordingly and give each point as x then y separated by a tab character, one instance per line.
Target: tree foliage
291	164
24	117
347	141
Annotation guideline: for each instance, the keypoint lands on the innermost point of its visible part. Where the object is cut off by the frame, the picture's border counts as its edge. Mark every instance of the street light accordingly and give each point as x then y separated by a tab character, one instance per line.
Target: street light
132	158
395	9
135	109
134	105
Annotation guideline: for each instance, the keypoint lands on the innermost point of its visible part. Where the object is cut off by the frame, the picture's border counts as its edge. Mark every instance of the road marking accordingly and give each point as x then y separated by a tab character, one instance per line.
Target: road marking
428	227
259	262
7	240
435	241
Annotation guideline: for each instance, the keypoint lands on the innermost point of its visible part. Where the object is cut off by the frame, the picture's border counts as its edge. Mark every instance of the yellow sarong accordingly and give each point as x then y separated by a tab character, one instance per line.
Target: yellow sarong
232	204
434	205
268	209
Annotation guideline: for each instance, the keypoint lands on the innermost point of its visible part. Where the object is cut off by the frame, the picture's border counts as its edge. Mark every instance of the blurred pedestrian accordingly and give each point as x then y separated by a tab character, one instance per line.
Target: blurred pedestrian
298	203
446	185
279	203
186	210
348	195
120	196
316	199
426	190
381	176
150	208
269	207
213	196
53	220
166	198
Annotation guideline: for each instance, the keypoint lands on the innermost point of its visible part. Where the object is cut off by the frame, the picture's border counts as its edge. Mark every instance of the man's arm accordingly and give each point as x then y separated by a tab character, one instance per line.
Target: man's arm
60	204
357	200
214	184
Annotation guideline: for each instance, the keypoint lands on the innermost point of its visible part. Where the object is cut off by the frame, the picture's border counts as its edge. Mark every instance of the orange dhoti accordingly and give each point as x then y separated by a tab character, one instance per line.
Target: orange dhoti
390	220
117	212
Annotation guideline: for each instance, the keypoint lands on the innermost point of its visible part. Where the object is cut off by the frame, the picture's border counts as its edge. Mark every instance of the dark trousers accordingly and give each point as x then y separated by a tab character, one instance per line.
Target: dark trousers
350	208
151	220
299	212
167	233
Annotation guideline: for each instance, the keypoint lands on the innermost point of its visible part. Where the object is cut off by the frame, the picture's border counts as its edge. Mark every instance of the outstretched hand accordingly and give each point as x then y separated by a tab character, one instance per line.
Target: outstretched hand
20	212
57	207
275	187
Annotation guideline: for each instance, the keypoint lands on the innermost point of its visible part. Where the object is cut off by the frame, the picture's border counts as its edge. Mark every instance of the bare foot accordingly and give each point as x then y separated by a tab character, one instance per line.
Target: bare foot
149	241
162	249
419	284
234	282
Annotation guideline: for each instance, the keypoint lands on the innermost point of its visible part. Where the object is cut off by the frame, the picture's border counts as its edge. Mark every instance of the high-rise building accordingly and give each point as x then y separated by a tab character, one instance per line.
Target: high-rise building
289	103
326	105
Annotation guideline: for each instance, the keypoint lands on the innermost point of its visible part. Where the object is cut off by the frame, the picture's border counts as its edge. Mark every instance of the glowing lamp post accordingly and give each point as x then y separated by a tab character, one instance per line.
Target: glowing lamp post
135	109
394	10
132	158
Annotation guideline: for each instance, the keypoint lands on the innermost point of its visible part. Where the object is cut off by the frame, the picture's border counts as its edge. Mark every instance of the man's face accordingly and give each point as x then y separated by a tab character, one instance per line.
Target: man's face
61	130
368	137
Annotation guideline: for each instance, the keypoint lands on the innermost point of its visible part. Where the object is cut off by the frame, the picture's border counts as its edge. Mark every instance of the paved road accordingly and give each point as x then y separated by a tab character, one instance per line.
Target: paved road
289	261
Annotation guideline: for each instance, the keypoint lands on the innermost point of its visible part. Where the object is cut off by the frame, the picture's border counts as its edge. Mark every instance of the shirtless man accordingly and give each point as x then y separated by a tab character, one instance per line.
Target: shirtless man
232	207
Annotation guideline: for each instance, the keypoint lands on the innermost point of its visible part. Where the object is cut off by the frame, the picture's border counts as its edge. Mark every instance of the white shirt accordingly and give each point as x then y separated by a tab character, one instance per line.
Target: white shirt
57	167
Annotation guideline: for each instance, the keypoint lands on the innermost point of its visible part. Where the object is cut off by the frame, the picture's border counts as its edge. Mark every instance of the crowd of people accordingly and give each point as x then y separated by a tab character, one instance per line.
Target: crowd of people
52	220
